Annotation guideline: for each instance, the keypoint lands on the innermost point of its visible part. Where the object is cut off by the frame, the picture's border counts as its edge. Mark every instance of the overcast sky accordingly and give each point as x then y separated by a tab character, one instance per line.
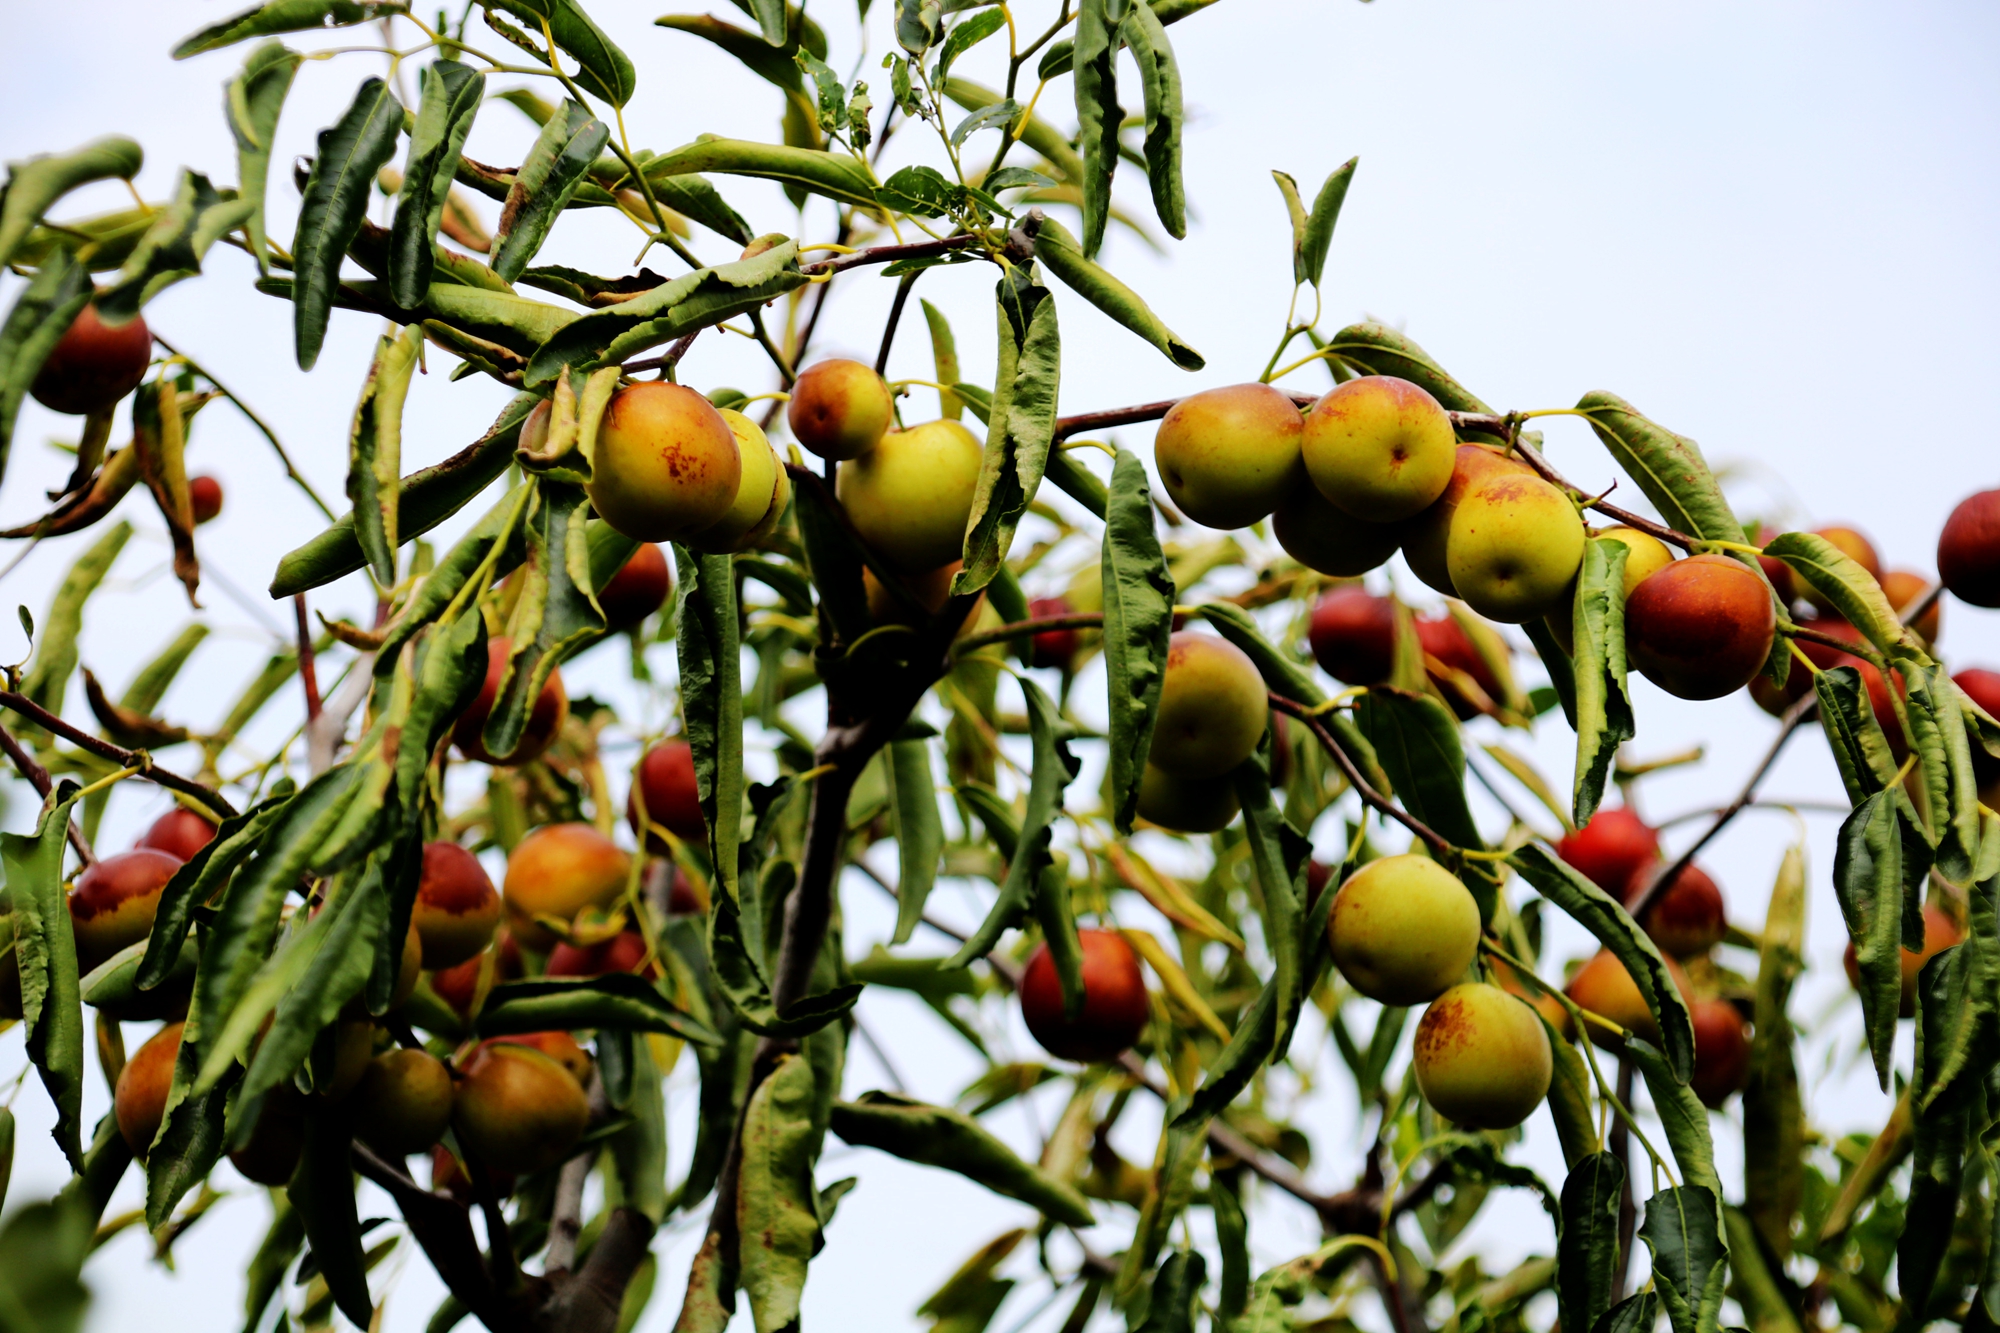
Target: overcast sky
1770	227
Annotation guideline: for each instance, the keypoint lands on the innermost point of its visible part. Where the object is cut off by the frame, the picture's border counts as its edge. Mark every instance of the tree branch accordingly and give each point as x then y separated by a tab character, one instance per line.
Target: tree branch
972	643
908	281
124	758
888	254
443	1229
38	778
1431	838
590	1300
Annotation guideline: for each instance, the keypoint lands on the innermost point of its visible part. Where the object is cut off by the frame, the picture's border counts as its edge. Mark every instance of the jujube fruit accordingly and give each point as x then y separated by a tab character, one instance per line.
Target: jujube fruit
1403	929
402	1103
140	1099
1443	638
1213	707
623	952
544	723
1905	588
1940	933
666	464
1702	627
911	495
1606	989
1230	456
1982	687
763	491
1645	556
930	589
1514	547
1325	538
559	870
114	902
559	1047
456	907
1114	1010
1721	1051
1783	581
1353	636
93	364
180	833
1612	848
1482	1057
1381	448
277	1139
1687	917
1427	537
638	589
341	1056
1857	548
1186	805
665	783
1052	647
518	1111
839	409
1968	550
205	498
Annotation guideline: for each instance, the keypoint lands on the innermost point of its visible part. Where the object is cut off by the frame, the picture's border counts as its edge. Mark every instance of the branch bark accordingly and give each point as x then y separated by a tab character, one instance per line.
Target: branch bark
124	758
1431	838
38	778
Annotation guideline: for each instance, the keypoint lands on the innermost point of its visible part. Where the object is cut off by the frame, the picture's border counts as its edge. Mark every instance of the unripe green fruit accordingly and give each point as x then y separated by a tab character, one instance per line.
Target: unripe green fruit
1186	805
1645	556
402	1103
517	1110
762	492
1229	456
1482	1057
666	464
1403	929
839	409
1381	448
1514	548
1213	707
1323	537
1426	536
910	496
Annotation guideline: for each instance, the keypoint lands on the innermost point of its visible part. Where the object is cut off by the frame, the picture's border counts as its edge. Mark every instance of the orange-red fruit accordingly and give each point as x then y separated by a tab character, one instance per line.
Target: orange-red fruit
1445	639
1612	848
1052	647
140	1100
666	464
638	589
545	719
666	783
402	1103
1904	588
839	409
205	497
456	907
1353	636
558	870
93	364
1114	1009
623	952
1968	550
1940	933
272	1154
1721	1051
114	902
180	833
459	986
559	1047
1702	627
1687	917
1606	989
518	1111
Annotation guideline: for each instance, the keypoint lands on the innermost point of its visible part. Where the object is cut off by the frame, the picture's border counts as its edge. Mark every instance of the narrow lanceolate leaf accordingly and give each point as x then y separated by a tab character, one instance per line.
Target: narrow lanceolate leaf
1020	427
48	675
543	187
42	313
159	438
1773	1117
45	951
1603	708
1061	255
1596	911
343	172
777	1221
1160	81
1376	349
1295	208
190	1140
944	358
554	614
173	246
32	186
1879	867
1283	674
375	457
1668	468
1683	1229
286	16
1098	114
1138	620
712	698
941	1137
252	101
1417	743
1944	763
1587	1253
322	1189
605	71
913	804
963	38
1840	578
834	176
1937	1156
1682	1116
1317	237
616	1000
452	93
198	881
1860	750
1279	853
1176	1289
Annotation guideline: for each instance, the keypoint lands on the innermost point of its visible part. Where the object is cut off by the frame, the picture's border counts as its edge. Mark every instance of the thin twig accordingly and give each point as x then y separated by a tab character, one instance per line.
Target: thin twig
103	749
255	420
1435	841
38	778
308	674
888	254
672	358
908	281
972	643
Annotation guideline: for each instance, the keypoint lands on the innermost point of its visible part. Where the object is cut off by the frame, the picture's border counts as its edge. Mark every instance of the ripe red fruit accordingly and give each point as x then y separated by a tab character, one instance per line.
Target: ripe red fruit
180	833
1611	849
1052	647
1115	1007
1781	576
1353	636
456	907
637	590
623	952
545	719
1983	688
665	782
272	1154
1702	627
140	1100
1687	917
1904	588
1444	639
1968	552
1721	1051
205	495
682	899
114	902
93	364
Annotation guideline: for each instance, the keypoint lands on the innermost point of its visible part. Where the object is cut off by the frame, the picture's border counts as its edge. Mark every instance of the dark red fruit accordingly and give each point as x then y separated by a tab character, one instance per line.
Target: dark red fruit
1053	647
623	952
665	782
179	833
205	494
1444	639
1612	848
1353	636
1968	553
544	720
1687	917
93	365
636	590
1983	688
1115	1007
1721	1051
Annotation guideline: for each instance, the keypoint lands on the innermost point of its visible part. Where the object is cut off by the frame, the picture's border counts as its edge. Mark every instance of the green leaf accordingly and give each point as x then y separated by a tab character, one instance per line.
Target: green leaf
832	110
740	978
772	65
554	614
1020	428
616	1000
322	1190
1160	82
1597	912
1879	867
190	1138
1860	750
1098	115
1416	739
45	952
1376	349
197	881
1570	1103
546	182
1944	762
963	38
834	176
434	594
173	246
286	16
605	71
35	184
1682	1116
1279	854
941	1137
1773	1117
1232	1237
705	615
350	154
1840	578
773	19
1177	1287
1937	1156
41	314
944	359
251	102
1295	209
6	1151
918	829
1283	675
777	1220
47	677
917	25
638	1152
1138	621
1690	1256
1669	468
1060	254
375	450
1561	689
922	192
1634	1314
42	1249
1587	1248
451	97
1603	706
1038	134
1317	235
